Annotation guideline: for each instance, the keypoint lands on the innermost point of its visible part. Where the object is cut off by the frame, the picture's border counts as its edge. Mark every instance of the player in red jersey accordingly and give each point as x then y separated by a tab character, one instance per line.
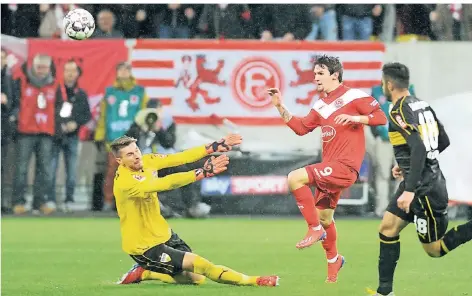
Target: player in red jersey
341	116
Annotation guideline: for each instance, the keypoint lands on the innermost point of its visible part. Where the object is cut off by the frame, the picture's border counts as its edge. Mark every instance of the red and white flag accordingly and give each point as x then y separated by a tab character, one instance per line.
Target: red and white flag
207	80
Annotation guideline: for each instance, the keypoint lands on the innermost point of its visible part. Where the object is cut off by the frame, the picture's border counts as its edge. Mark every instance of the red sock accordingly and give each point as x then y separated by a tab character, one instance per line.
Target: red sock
329	244
306	204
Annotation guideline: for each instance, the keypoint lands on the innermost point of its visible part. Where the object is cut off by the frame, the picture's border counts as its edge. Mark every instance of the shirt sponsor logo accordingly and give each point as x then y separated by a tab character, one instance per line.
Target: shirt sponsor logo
327	133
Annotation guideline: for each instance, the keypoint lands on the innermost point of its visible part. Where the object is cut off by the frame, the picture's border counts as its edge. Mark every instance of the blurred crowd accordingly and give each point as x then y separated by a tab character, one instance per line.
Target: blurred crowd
42	115
385	22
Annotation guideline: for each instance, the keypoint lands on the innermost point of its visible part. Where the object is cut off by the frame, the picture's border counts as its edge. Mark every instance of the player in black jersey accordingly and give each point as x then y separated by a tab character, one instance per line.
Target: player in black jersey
417	137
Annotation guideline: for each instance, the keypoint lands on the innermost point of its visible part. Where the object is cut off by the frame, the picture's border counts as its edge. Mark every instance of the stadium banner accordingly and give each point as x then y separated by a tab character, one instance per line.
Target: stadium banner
206	81
97	60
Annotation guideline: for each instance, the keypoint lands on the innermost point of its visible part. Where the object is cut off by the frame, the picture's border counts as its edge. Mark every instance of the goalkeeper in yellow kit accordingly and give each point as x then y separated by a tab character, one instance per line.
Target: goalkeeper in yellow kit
159	253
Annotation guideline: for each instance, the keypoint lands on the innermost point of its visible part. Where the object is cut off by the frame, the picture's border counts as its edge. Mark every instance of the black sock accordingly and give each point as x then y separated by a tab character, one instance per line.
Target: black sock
455	237
389	255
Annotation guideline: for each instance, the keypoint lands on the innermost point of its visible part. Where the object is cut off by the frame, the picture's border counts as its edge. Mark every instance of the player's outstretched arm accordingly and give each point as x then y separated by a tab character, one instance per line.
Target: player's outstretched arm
213	166
225	144
301	126
193	154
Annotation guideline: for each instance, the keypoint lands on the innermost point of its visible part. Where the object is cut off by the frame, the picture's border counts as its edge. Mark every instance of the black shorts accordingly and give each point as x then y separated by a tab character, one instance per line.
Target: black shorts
166	258
428	211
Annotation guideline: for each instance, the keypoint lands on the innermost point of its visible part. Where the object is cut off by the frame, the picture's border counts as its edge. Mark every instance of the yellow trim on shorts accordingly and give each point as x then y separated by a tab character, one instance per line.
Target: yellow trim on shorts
427	217
432	216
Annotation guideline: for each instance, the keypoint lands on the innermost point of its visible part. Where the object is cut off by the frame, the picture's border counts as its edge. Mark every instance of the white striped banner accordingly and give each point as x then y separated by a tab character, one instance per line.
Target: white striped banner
205	81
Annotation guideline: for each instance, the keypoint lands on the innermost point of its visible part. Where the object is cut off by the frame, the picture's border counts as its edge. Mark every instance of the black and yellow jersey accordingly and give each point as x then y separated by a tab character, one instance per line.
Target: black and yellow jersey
417	137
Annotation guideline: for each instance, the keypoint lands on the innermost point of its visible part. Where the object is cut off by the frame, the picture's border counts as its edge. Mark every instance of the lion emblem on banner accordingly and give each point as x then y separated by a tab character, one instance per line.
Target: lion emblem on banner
193	75
305	77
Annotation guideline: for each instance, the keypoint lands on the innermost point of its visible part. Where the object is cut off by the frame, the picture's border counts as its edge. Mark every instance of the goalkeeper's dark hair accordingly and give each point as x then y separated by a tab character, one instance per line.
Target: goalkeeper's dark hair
332	63
121	143
398	74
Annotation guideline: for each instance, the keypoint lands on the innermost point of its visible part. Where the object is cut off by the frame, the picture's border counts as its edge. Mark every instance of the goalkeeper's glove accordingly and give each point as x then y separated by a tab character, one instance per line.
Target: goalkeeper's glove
225	144
212	166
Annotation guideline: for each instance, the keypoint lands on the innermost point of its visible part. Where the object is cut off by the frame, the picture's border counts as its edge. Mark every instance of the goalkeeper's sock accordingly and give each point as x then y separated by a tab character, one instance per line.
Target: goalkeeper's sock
151	275
455	237
389	255
306	204
329	243
222	274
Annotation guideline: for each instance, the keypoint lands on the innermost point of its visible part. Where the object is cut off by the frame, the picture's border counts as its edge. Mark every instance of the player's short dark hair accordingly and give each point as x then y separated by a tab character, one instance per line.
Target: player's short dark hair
398	74
332	63
121	143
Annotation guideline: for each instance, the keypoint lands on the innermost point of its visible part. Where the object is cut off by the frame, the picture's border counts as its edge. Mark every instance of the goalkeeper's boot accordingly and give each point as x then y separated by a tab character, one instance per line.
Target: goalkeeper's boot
374	293
133	276
333	269
268	281
311	237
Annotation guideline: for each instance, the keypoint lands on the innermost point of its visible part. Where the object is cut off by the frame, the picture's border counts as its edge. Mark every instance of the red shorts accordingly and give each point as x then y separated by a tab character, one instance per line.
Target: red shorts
330	179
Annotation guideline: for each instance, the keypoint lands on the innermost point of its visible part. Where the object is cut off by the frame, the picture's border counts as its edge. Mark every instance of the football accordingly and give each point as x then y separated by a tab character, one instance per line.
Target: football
79	24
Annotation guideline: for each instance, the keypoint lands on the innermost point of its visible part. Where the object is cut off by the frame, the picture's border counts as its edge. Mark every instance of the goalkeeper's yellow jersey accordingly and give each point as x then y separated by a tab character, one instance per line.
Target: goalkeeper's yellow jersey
142	225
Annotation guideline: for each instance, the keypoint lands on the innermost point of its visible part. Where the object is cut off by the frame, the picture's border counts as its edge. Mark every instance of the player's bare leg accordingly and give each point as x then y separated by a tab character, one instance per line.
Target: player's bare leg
224	275
455	237
335	260
297	181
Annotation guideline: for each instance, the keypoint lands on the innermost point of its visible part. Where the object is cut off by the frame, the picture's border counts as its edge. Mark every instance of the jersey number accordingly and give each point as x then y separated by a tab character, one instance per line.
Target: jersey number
326	172
421	225
430	133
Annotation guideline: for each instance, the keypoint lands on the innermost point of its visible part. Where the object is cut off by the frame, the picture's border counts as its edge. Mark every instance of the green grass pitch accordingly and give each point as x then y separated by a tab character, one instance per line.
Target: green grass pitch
72	257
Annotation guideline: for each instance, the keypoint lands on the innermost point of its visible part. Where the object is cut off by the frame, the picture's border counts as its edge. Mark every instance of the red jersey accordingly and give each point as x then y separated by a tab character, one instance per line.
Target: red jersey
343	143
37	108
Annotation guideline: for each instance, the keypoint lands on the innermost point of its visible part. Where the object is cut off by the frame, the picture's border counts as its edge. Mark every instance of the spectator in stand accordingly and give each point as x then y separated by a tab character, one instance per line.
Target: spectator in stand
324	21
72	114
118	109
452	22
142	24
384	24
9	100
357	22
381	151
51	21
155	130
413	22
225	21
36	128
285	22
20	20
176	21
266	36
106	26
